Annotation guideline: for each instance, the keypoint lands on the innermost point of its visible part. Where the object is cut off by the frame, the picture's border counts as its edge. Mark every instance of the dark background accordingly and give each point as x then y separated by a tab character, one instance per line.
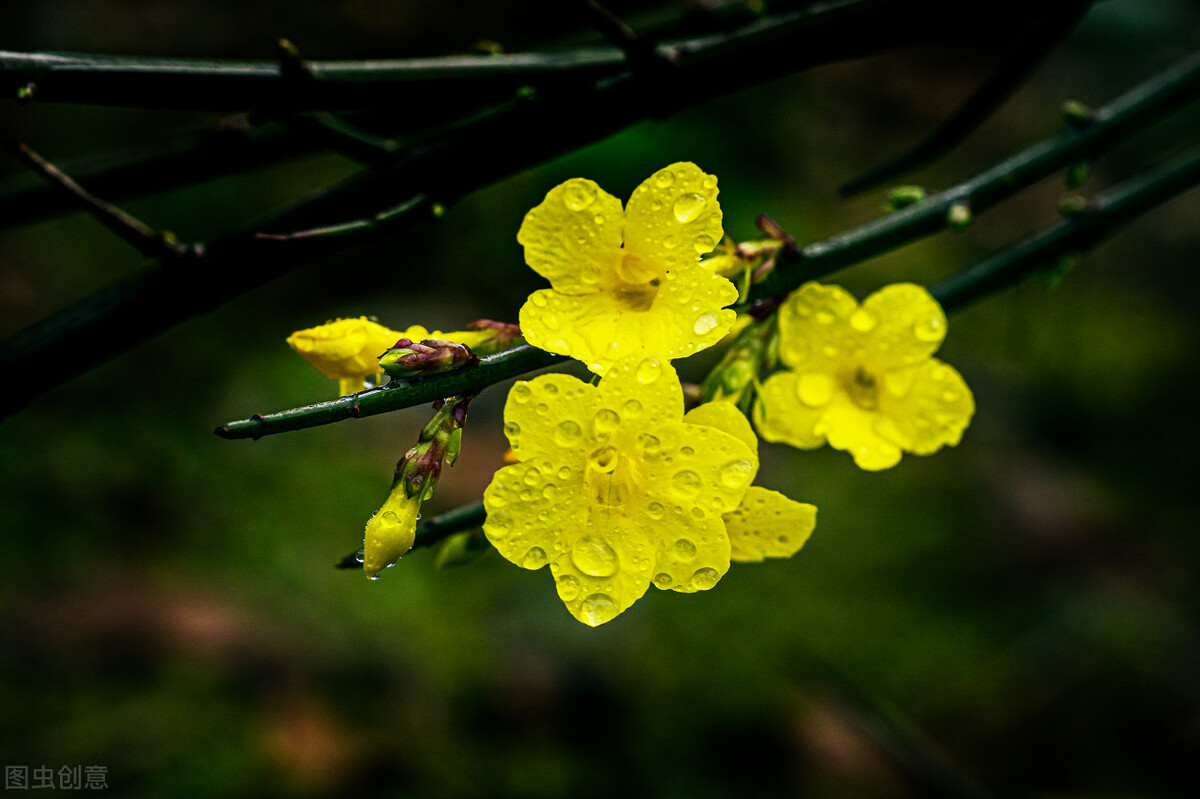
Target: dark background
1019	611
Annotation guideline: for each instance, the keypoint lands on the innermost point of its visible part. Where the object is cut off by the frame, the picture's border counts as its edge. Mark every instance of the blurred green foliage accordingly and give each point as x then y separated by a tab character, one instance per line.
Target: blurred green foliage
1024	605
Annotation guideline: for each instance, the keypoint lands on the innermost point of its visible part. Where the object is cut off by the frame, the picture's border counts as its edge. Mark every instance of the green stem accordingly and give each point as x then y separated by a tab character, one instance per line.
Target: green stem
1101	217
396	395
1130	112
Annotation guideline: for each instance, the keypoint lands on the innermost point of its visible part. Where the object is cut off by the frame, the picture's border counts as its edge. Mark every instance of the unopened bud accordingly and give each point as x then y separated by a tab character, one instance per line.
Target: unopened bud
959	216
431	356
902	197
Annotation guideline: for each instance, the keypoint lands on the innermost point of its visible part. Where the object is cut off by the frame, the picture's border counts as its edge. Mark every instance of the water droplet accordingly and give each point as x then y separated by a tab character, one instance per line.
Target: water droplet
950	396
599	608
686	482
512	430
705	323
564	473
737	474
605	421
567	433
824	318
704	243
532	477
593	556
521	392
538	299
663	580
655	510
664	179
633	408
814	389
542	409
598	219
705	579
862	321
649	370
578	194
686	452
550	320
940	373
698	513
359	556
550	388
590	274
549	492
651	446
930	330
535	558
568	587
684	549
689	206
373	577
604	460
669	242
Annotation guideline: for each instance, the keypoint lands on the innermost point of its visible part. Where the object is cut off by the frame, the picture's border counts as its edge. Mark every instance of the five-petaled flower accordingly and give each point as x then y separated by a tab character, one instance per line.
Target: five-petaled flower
863	378
630	280
616	488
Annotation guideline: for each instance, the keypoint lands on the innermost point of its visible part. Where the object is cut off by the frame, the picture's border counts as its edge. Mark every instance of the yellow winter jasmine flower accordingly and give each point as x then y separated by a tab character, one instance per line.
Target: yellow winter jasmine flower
348	350
627	281
616	488
863	378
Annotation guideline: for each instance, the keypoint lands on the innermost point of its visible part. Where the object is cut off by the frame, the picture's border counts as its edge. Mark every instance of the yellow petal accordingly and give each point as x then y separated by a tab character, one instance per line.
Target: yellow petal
587	327
926	407
692	555
768	525
724	416
692	313
696	471
550	419
906	325
816	330
390	532
344	348
644	393
574	236
604	569
531	513
860	432
780	416
673	217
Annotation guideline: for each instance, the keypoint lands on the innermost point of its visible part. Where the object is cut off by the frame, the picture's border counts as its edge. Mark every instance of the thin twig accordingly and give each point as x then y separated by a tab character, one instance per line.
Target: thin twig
1132	111
990	95
397	394
145	239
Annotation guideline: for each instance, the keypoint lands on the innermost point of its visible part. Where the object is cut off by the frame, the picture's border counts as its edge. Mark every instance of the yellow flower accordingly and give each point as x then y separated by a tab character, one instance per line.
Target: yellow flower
627	281
391	531
862	378
348	350
616	488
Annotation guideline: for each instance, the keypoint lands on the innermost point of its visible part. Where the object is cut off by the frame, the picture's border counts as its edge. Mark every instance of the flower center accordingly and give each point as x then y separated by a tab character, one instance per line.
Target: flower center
637	283
610	478
862	388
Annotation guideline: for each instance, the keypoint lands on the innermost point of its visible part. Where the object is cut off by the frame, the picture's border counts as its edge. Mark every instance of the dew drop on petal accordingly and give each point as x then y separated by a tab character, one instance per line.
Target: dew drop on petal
579	194
737	474
535	558
669	242
564	473
633	408
568	588
704	244
649	370
549	491
930	330
512	430
664	179
663	580
651	447
604	460
824	318
599	608
688	206
814	389
685	549
567	433
594	557
705	323
686	482
655	510
521	392
705	578
606	420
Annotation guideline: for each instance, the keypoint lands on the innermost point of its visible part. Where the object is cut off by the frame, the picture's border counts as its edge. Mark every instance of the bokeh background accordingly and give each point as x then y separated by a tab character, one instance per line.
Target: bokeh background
1014	616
